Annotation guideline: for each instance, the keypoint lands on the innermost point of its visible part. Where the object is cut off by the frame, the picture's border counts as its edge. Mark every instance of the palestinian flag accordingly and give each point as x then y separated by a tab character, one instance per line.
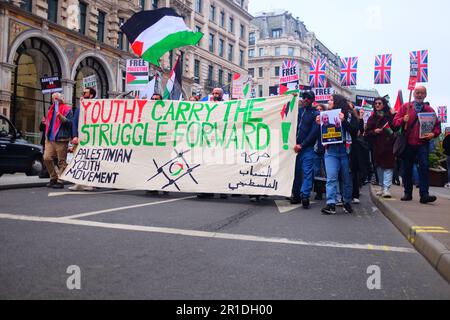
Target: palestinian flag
173	87
137	78
388	129
399	101
153	33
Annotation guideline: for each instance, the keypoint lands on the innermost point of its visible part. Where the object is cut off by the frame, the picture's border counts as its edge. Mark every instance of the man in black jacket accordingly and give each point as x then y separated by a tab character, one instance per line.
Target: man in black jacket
307	134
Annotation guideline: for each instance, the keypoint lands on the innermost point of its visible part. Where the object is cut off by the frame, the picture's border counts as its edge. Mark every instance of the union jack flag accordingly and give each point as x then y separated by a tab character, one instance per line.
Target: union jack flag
317	73
349	69
383	68
442	114
422	63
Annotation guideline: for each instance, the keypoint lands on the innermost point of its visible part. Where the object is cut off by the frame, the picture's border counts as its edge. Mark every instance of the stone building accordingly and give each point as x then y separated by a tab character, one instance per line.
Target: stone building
278	36
74	39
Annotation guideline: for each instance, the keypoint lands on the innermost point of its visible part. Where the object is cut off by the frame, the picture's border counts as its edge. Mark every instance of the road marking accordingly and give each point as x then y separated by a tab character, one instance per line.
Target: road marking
211	235
85	193
93	213
285	206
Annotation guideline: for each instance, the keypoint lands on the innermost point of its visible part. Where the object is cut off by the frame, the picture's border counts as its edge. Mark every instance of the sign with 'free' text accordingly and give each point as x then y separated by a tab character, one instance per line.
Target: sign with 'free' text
235	147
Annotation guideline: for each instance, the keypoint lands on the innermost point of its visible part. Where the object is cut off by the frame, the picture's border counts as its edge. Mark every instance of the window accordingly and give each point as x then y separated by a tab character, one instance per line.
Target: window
242	32
222	19
120	38
230	52
212	13
221	47
53	10
142	4
230	78
101	26
83	10
277	72
196	71
260	72
211	43
231	25
26	5
251	72
260	89
251	53
210	72
277	51
124	77
261	52
220	77
241	58
198	6
276	33
251	38
155	4
198	29
290	51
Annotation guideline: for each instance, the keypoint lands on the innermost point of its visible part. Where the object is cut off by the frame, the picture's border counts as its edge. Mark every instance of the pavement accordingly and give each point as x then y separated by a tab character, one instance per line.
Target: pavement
20	181
427	227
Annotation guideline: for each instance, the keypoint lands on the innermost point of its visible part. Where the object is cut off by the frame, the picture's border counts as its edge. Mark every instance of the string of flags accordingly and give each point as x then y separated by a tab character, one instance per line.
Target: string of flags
382	69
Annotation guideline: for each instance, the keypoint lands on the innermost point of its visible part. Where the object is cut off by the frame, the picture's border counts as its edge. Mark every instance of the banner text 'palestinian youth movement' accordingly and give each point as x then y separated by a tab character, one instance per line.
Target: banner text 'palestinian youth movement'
235	147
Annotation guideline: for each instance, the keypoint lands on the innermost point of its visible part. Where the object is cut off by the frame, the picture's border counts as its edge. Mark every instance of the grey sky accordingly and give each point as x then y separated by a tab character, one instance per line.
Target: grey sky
368	28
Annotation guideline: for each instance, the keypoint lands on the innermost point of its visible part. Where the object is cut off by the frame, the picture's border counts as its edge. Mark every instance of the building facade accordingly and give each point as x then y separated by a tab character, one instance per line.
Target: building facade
74	39
278	36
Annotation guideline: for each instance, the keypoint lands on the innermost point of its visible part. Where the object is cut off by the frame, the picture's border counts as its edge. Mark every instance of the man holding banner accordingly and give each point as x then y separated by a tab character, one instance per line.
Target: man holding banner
416	146
307	135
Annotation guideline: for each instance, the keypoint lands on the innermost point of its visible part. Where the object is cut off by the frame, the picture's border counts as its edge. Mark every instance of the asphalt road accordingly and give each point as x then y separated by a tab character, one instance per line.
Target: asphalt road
130	245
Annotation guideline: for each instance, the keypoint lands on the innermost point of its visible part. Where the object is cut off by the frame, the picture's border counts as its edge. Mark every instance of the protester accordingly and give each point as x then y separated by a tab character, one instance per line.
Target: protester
193	98
156	96
379	127
58	132
307	135
88	93
359	158
446	146
416	148
337	156
319	165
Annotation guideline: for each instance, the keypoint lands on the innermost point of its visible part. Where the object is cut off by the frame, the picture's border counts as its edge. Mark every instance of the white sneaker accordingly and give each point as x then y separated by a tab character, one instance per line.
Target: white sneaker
86	188
387	194
76	187
379	193
447	185
356	201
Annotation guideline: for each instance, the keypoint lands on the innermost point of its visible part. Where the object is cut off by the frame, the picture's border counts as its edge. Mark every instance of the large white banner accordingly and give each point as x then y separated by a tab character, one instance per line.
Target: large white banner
234	147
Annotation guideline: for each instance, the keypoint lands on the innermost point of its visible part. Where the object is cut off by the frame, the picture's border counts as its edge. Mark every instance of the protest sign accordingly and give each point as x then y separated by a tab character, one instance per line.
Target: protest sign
137	75
90	82
331	127
51	85
238	146
289	76
427	122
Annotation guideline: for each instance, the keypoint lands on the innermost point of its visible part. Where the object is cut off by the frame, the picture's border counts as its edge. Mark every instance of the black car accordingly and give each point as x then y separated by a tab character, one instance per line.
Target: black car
16	153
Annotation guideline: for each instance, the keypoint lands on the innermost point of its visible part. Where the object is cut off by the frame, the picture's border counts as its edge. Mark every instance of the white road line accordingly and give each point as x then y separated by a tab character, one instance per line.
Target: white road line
211	235
93	213
85	193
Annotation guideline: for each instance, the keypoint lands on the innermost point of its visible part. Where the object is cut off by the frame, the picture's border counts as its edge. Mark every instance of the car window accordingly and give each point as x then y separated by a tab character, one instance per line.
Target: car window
6	130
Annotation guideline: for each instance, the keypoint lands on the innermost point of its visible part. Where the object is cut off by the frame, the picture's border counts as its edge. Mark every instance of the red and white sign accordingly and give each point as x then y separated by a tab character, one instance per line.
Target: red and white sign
323	94
413	75
289	71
